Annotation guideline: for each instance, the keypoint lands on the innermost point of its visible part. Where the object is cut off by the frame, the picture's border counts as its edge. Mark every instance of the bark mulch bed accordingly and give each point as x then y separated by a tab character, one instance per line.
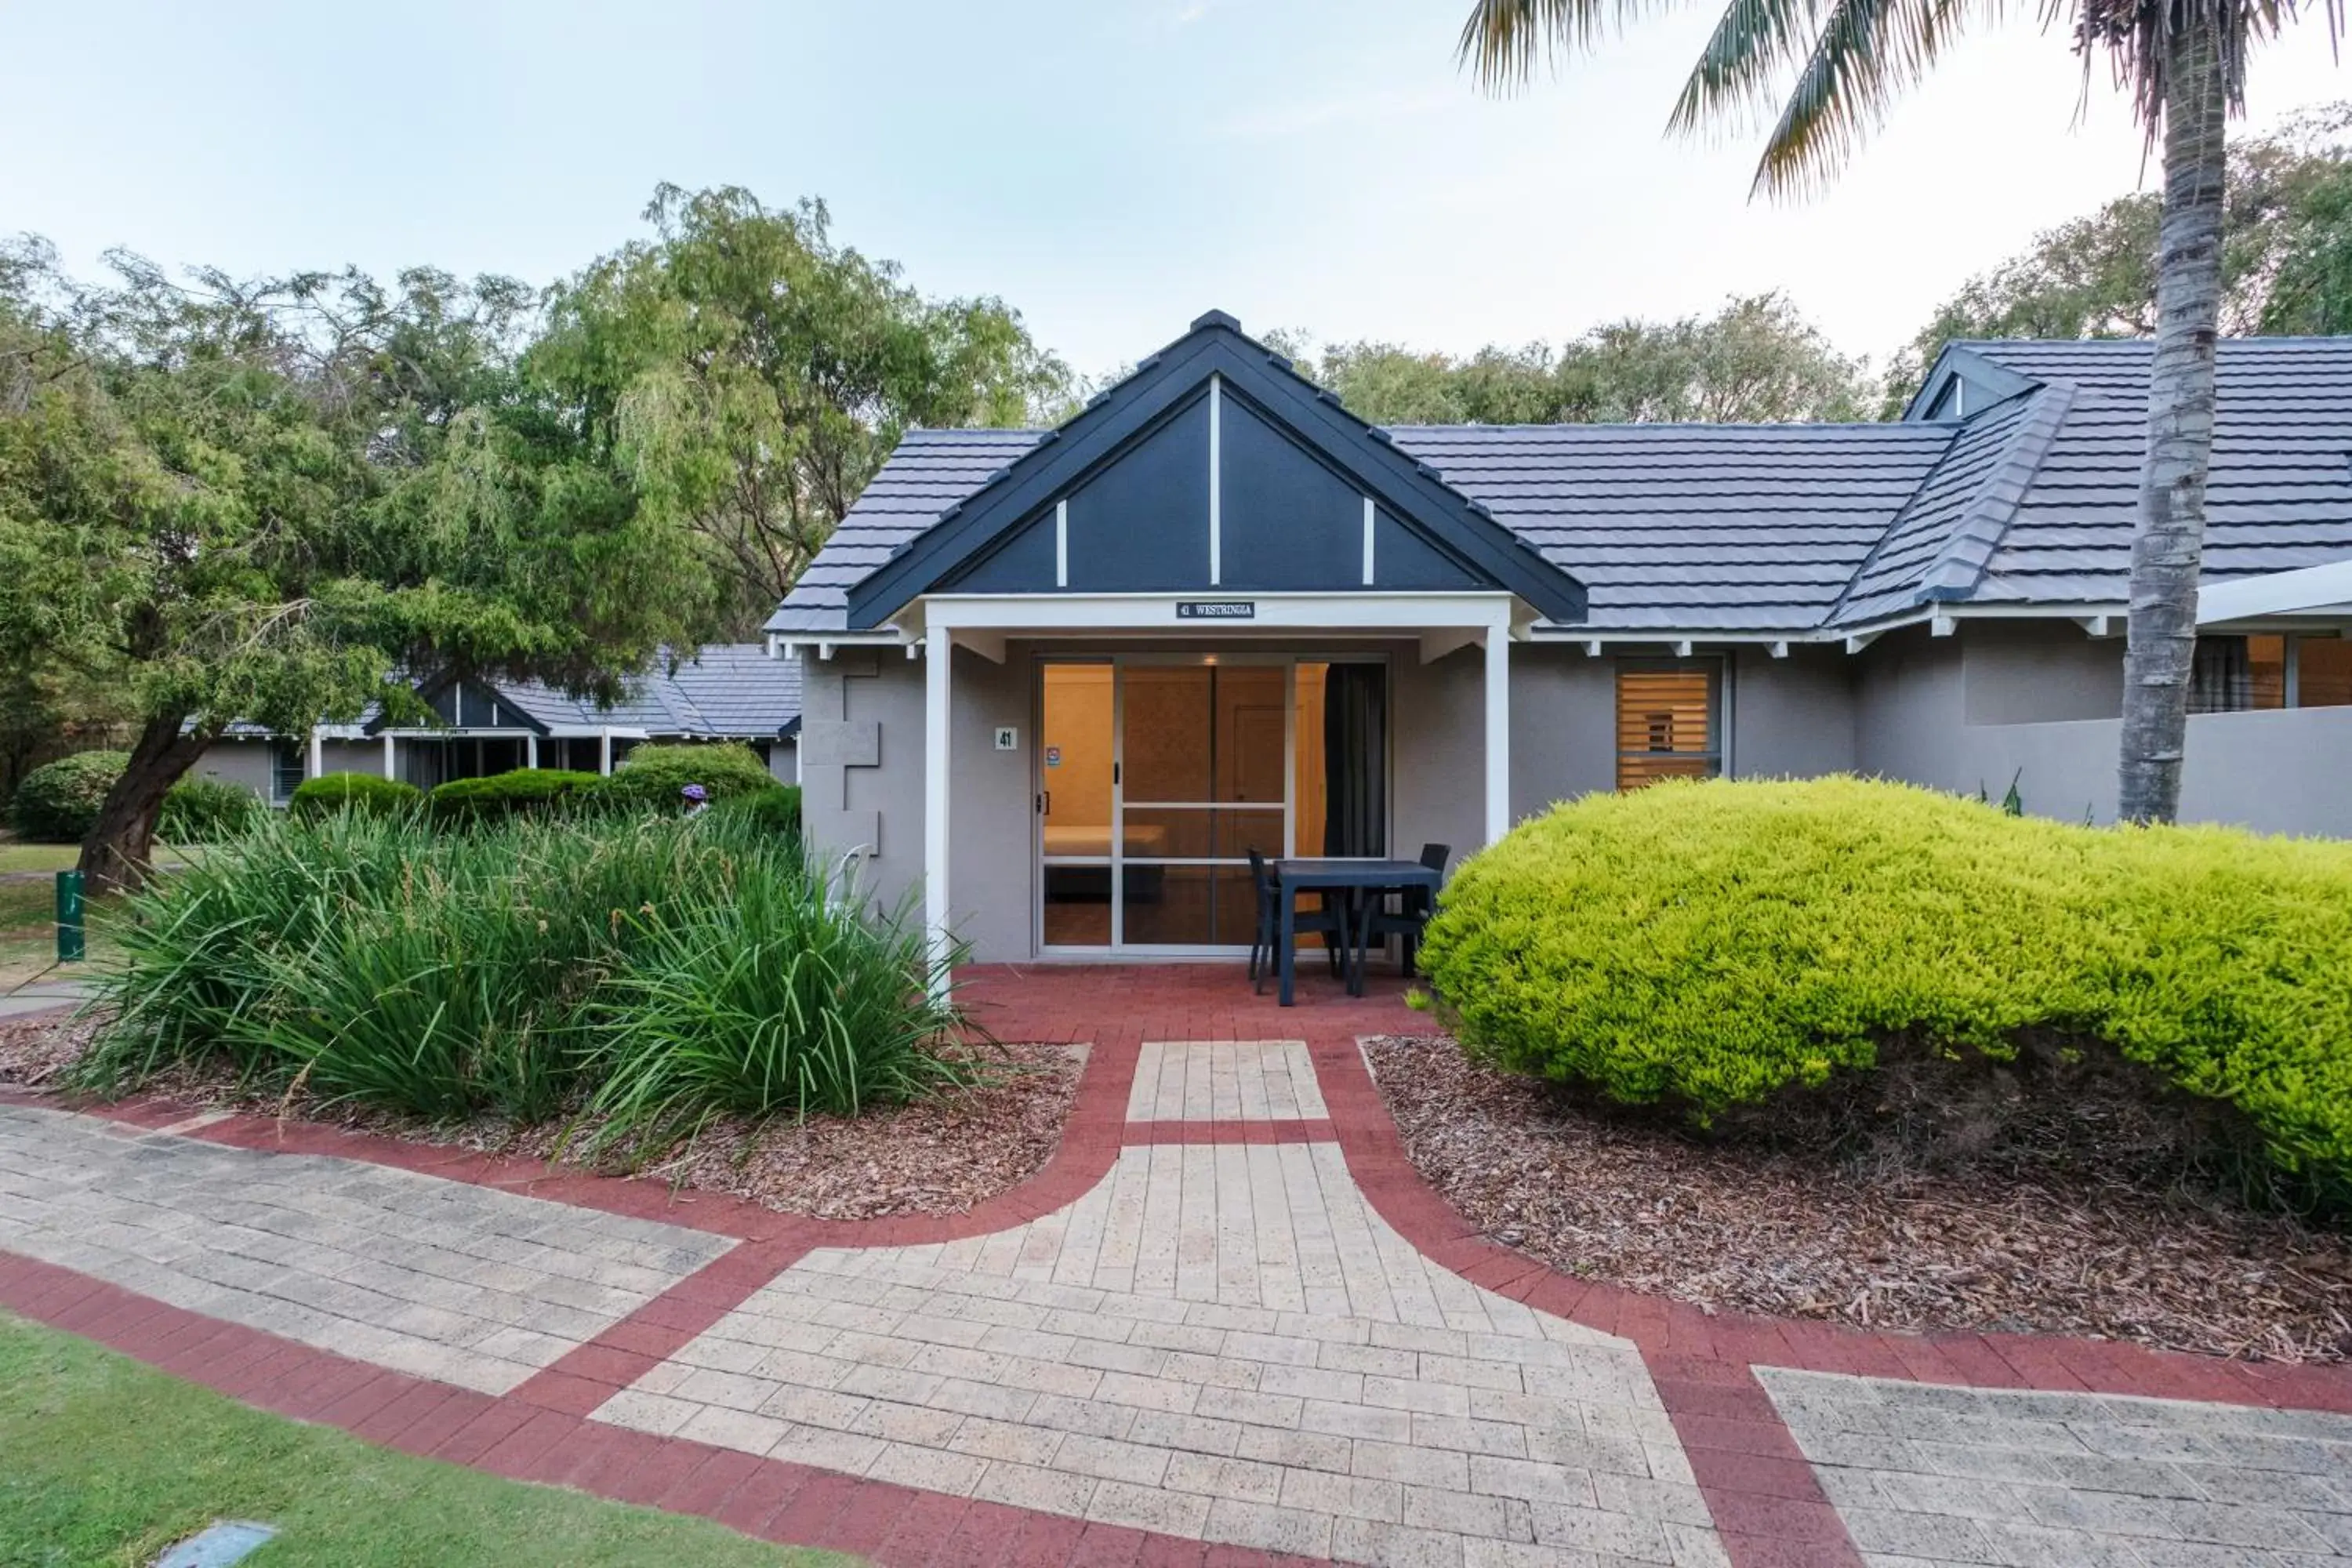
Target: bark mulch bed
939	1156
1870	1240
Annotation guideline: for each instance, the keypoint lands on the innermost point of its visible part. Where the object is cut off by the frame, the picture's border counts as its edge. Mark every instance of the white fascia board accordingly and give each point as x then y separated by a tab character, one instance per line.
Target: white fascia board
805	646
1670	637
2307	588
1157	612
465	732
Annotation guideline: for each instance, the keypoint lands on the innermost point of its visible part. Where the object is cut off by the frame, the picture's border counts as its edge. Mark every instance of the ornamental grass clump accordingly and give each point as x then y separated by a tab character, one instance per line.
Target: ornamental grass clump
751	997
375	962
1709	946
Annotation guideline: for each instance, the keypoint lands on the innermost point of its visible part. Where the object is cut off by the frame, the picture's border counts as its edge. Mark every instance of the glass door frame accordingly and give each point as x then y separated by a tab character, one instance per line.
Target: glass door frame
1115	861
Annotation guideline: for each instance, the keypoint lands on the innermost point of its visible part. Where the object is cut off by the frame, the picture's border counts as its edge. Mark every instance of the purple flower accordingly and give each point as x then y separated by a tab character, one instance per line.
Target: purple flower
696	793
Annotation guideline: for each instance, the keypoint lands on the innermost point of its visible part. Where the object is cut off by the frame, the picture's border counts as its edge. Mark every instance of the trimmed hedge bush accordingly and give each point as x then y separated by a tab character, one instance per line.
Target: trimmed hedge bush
201	810
365	794
525	790
775	810
654	776
58	803
1707	945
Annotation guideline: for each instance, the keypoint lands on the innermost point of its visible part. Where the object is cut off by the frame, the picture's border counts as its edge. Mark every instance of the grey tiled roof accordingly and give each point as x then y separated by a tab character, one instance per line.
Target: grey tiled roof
726	688
2279	491
1809	528
929	472
1698	527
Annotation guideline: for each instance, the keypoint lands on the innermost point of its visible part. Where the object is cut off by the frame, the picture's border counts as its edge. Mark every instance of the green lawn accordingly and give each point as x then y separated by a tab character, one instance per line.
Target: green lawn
17	855
28	937
104	1461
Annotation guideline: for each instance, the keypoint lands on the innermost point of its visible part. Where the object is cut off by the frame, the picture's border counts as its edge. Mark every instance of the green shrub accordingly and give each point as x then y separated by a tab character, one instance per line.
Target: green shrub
202	810
747	994
58	804
654	777
1708	946
525	790
776	810
363	795
520	969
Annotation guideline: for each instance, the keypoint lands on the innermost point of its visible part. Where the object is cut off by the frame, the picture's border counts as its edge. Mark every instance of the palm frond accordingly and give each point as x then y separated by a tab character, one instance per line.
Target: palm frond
1503	40
1753	43
1867	53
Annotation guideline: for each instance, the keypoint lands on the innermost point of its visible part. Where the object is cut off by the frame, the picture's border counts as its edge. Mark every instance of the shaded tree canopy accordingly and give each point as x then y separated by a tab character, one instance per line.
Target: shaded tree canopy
2286	259
267	500
1756	359
280	498
750	375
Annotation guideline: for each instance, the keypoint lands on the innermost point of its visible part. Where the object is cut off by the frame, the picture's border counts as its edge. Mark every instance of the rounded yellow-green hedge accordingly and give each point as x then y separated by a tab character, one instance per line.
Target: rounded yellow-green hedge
1707	945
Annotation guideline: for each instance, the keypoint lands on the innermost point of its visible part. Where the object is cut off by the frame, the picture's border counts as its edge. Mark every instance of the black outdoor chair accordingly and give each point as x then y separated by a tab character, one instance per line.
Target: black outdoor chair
1378	922
1330	921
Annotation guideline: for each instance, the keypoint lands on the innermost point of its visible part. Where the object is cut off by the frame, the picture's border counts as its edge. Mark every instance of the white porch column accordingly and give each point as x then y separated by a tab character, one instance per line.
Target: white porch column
604	751
1498	732
389	770
317	751
530	751
938	660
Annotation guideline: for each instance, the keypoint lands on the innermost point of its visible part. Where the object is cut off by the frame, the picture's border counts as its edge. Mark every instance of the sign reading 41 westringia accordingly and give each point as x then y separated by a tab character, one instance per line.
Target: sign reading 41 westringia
1216	609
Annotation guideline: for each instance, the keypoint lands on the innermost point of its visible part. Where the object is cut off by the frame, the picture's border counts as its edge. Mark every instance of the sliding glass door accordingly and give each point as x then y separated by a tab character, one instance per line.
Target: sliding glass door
1158	775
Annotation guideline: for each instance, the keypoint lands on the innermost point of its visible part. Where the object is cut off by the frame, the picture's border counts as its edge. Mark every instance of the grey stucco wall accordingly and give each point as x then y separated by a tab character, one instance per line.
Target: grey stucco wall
1437	751
1793	717
2279	772
783	761
1563	724
245	763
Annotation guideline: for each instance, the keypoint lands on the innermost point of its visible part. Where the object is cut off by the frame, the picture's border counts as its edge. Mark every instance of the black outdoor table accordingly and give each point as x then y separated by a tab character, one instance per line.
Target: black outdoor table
1336	874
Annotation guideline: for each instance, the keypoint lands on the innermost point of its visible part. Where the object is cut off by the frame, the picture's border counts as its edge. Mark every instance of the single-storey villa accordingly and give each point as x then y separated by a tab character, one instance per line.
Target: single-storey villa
1064	680
726	691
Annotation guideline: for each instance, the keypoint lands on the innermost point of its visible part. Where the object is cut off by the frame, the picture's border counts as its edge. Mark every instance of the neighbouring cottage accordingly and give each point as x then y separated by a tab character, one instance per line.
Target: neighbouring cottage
726	691
1065	680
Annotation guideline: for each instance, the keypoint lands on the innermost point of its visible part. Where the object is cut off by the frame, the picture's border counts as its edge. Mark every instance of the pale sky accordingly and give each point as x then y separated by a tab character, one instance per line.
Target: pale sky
1111	168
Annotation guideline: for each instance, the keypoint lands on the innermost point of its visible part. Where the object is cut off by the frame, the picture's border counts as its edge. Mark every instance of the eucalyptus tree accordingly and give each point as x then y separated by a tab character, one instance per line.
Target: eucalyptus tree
1756	359
749	373
2286	259
1827	75
276	500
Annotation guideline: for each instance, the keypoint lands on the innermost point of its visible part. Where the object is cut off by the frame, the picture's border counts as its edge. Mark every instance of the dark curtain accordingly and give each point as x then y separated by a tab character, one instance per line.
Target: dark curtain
2220	677
1355	749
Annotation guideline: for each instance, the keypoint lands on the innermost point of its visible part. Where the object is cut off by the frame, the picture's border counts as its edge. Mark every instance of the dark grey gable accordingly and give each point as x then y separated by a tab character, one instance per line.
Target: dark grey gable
1305	497
1962	384
472	705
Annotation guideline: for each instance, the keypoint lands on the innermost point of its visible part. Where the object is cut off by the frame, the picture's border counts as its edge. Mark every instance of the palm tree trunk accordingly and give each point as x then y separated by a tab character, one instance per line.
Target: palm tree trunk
2171	542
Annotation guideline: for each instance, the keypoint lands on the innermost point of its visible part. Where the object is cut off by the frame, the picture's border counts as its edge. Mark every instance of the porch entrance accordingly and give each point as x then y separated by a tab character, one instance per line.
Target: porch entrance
1159	773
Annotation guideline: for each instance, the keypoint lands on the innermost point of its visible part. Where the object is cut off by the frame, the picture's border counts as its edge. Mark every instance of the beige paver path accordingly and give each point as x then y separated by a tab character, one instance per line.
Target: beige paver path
437	1278
1248	1081
1925	1475
1218	1341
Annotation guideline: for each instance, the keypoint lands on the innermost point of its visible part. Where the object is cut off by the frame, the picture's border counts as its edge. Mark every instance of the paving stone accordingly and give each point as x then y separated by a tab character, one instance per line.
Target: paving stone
1241	1521
1991	1476
332	1253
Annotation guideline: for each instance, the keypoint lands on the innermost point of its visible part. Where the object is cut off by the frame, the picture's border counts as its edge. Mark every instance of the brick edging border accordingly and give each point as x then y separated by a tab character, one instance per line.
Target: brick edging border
522	1439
